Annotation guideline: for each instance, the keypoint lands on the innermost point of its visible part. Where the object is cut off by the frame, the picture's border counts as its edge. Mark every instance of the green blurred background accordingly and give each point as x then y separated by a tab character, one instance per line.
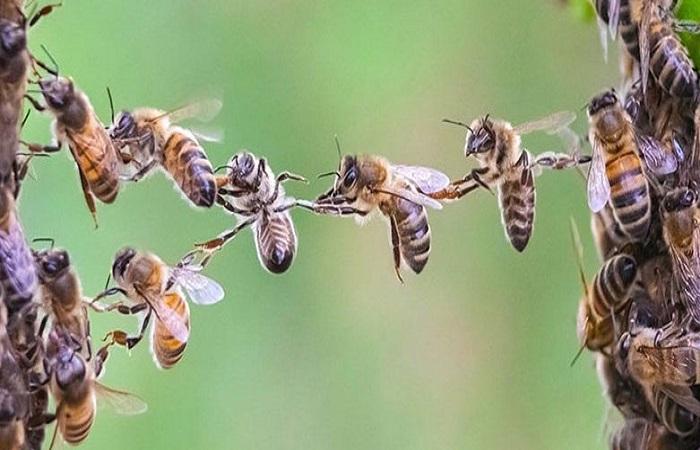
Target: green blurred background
336	354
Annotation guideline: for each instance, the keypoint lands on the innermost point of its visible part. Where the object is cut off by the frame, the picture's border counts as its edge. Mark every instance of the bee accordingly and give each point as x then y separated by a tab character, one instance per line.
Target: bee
74	387
607	234
367	182
623	392
506	166
153	141
637	434
616	173
154	288
14	406
604	300
680	232
62	297
252	193
77	126
17	273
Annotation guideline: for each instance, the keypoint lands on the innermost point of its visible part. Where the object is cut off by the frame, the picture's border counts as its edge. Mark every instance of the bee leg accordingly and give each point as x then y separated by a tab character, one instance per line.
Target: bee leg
43	12
262	165
35	103
281	178
395	247
120	337
143	171
686	26
106	293
229	207
218	242
40	421
87	193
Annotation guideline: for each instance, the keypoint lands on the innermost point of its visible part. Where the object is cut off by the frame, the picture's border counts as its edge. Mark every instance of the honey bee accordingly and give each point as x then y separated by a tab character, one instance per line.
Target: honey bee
638	434
257	198
153	141
77	126
680	232
366	182
607	234
154	288
74	387
505	165
605	299
623	392
61	296
14	406
17	273
617	174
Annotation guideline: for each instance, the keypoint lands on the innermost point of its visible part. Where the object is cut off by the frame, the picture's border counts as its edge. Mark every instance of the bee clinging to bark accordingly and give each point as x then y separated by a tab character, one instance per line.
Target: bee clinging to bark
365	183
507	167
154	141
154	288
252	193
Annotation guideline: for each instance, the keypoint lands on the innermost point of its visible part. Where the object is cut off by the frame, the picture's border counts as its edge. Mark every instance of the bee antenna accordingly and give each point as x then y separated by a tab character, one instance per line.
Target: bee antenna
44	239
225	166
109	278
328	174
578	249
24	120
578	355
53	61
337	147
111	103
459	124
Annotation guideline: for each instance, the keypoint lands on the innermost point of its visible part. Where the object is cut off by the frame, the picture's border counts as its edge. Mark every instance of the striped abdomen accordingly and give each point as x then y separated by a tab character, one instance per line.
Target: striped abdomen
609	293
275	241
516	196
168	350
669	61
75	419
18	277
96	155
629	194
185	161
607	234
628	29
676	418
39	405
413	233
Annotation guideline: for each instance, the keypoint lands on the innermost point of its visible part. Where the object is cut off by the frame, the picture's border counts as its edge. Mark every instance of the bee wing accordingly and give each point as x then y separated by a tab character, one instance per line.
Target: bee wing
683	396
121	402
427	180
200	289
549	124
644	45
208	134
660	161
170	319
613	17
603	35
598	183
411	196
203	110
17	261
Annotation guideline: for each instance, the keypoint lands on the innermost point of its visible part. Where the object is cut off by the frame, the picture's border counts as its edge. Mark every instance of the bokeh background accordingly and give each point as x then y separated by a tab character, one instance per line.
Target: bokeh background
336	354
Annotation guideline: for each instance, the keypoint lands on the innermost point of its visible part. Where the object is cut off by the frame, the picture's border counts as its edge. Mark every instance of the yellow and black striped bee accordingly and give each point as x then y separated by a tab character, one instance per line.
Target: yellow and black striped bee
506	166
153	141
75	389
252	193
77	126
365	183
154	288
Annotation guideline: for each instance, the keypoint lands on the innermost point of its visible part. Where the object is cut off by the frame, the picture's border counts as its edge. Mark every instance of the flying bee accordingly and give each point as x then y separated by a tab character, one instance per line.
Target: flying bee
62	297
365	183
153	141
77	126
605	300
679	215
74	387
17	273
506	166
252	193
155	288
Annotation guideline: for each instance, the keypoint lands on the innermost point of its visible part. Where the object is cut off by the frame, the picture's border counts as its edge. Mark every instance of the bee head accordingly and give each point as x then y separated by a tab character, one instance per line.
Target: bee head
13	38
602	101
52	263
242	170
124	126
70	367
481	137
59	92
678	200
346	180
121	262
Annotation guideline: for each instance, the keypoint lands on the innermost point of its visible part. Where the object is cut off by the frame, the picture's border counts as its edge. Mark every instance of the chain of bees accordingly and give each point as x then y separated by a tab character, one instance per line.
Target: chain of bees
640	315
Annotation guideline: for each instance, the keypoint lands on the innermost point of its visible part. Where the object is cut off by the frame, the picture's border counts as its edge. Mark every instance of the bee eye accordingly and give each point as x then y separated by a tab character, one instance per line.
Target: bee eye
49	267
350	178
624	346
688	199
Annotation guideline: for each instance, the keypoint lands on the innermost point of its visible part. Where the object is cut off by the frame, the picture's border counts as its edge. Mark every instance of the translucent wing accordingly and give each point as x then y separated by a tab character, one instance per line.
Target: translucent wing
200	289
411	196
121	402
613	17
603	35
427	180
683	396
660	161
170	319
208	134
550	124
644	45
598	183
571	140
203	110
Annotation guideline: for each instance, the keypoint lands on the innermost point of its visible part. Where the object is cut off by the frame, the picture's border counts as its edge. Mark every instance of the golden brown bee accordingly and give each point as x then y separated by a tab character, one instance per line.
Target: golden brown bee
365	183
251	192
155	288
153	141
77	126
61	296
17	273
74	387
680	231
506	166
607	234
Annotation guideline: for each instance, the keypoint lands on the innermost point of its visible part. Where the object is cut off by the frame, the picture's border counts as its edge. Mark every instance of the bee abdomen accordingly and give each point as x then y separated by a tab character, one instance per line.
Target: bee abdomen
628	29
629	195
669	62
276	241
168	350
185	160
414	234
17	271
517	200
612	284
77	421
